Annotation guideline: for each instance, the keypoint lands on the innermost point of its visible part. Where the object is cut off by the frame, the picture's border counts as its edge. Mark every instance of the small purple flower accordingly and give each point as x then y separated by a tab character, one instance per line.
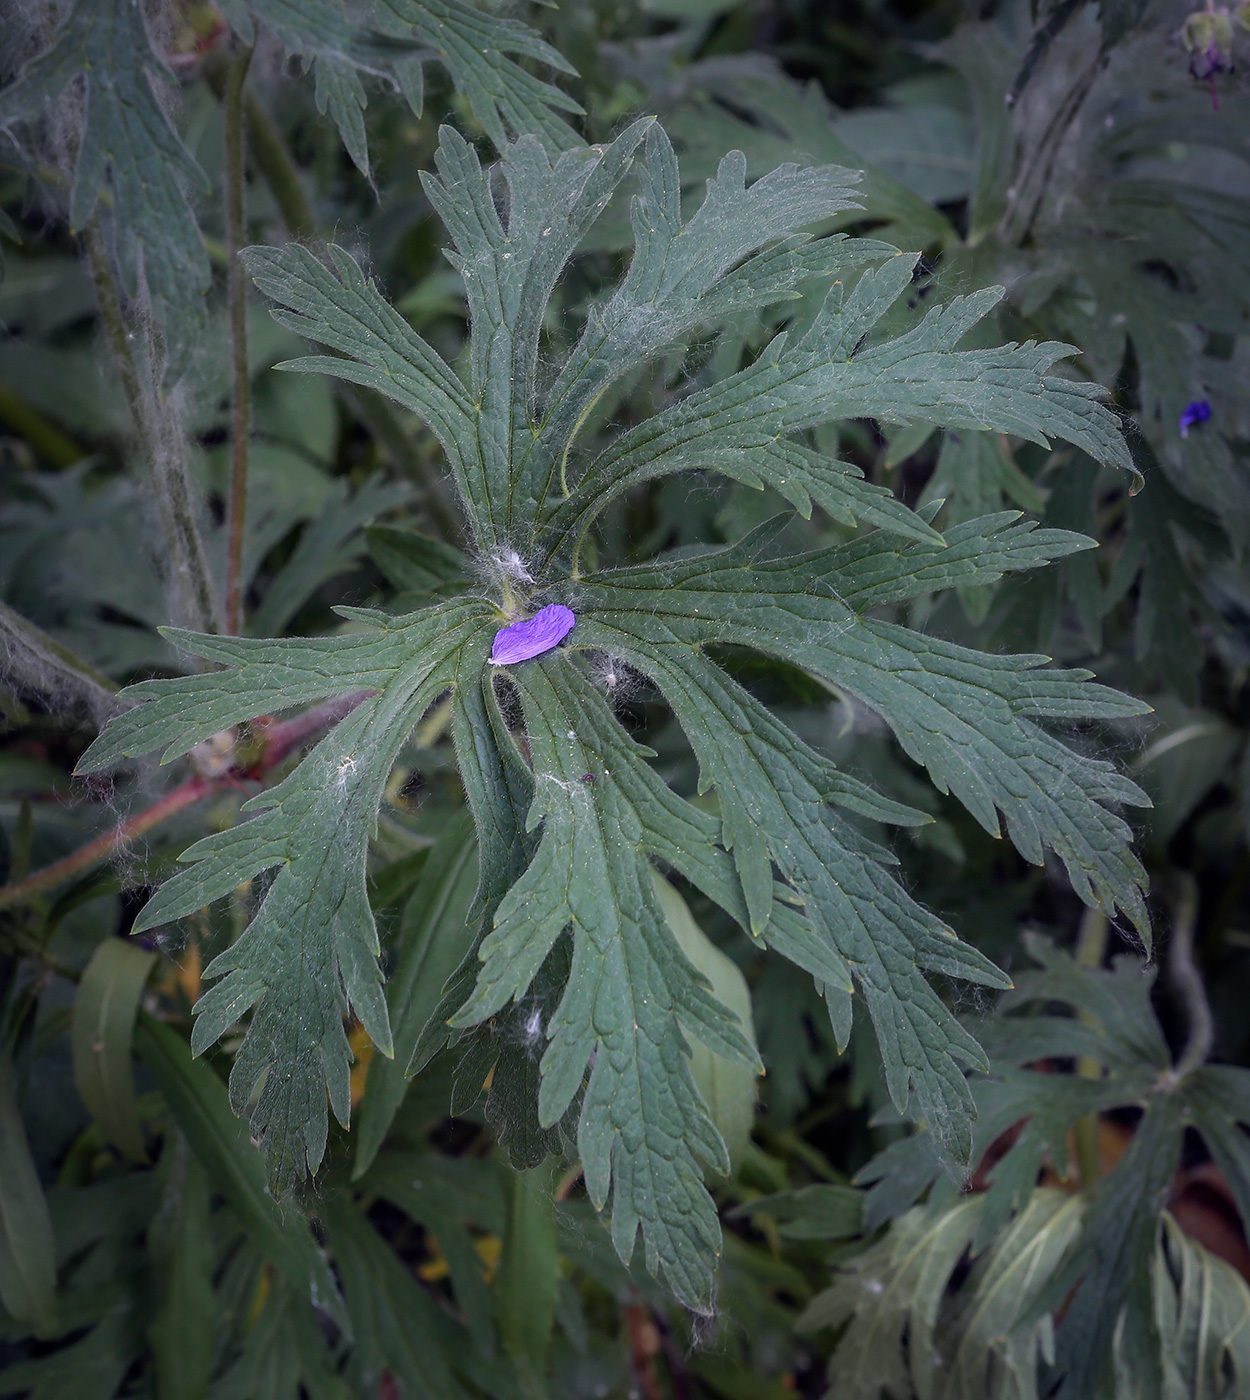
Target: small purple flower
533	637
1206	63
1196	411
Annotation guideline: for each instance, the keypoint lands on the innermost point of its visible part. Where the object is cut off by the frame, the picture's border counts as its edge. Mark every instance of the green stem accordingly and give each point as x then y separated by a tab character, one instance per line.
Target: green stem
241	404
162	451
1091	949
274	162
1187	980
48	441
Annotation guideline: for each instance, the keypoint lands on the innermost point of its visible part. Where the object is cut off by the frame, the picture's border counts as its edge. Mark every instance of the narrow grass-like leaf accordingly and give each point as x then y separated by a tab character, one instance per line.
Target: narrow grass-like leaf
102	1032
27	1249
200	1105
180	1246
397	1326
529	1277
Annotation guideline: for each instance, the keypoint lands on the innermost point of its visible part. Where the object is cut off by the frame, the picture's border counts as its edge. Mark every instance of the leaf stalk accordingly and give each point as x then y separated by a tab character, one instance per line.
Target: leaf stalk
241	401
185	558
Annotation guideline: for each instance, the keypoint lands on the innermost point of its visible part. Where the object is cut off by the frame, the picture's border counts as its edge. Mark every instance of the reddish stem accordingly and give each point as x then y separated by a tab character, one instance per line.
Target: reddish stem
280	740
94	852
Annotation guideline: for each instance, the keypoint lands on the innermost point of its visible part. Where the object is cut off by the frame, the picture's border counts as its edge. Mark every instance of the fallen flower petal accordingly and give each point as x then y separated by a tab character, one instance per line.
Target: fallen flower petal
533	637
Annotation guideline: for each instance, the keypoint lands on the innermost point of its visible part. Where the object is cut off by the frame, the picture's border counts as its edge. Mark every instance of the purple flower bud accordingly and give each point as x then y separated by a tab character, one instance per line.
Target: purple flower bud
533	637
1196	411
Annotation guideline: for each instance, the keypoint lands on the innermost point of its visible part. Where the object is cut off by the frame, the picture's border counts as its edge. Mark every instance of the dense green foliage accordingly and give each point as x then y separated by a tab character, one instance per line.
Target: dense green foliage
815	364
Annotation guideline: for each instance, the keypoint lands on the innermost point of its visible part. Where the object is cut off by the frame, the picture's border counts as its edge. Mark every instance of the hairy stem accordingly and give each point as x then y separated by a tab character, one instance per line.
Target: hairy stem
241	402
1187	980
280	741
160	444
1091	949
39	662
98	851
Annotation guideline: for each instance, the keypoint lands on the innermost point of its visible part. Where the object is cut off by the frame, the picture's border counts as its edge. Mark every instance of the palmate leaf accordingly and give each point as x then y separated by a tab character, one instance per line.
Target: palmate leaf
394	38
310	953
1101	1284
578	1002
129	145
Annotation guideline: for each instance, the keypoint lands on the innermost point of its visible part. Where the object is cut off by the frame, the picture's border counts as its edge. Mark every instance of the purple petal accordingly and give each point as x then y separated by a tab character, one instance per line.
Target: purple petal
537	634
1197	411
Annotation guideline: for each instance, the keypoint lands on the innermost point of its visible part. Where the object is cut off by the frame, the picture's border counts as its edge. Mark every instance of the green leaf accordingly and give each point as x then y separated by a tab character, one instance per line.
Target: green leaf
416	564
787	117
310	953
27	1249
330	545
890	1295
1218	1098
994	1349
812	1212
1100	1279
834	370
198	1101
576	1002
1202	1312
529	1277
509	275
180	1246
129	144
629	991
975	471
396	1324
394	37
449	1197
1107	1273
91	1368
103	1029
285	1354
726	1086
431	942
967	716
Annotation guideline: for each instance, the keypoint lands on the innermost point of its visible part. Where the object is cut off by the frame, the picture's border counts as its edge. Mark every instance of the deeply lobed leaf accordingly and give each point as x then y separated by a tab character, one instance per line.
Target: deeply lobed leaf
575	954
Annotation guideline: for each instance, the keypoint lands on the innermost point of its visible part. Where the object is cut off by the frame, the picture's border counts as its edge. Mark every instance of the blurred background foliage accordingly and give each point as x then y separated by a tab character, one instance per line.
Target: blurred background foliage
1095	160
